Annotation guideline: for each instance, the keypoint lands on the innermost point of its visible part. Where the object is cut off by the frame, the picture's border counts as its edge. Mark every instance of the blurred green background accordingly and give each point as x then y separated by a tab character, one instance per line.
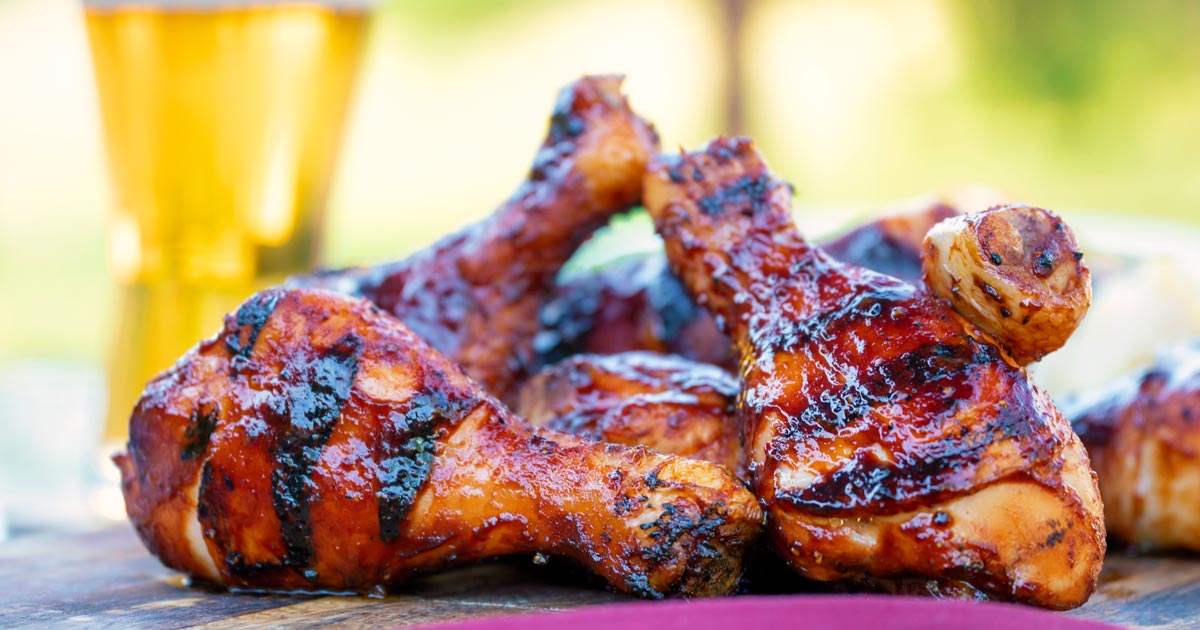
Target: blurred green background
1087	106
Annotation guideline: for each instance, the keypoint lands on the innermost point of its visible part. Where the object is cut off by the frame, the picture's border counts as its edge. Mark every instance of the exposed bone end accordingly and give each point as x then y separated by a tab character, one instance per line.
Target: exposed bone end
1014	271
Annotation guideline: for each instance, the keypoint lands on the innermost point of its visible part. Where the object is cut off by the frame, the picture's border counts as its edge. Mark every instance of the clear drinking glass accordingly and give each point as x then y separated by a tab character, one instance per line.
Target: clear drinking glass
222	122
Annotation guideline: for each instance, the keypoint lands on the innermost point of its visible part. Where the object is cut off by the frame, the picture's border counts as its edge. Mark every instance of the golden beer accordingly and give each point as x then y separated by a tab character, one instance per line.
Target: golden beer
222	124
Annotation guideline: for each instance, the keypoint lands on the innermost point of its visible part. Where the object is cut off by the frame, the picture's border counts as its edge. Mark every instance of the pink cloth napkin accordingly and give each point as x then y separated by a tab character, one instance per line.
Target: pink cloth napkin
807	612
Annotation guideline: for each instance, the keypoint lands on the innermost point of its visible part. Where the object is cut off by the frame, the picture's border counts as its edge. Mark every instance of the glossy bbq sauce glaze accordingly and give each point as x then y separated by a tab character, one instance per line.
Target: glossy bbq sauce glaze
887	436
664	402
317	444
637	303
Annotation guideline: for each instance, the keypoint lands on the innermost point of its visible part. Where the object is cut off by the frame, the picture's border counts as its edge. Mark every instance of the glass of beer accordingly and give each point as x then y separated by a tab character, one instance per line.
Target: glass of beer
222	121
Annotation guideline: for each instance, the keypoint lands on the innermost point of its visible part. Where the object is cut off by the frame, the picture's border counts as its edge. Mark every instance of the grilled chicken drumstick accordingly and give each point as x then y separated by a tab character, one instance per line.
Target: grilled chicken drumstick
475	295
638	304
1144	441
887	437
664	402
317	443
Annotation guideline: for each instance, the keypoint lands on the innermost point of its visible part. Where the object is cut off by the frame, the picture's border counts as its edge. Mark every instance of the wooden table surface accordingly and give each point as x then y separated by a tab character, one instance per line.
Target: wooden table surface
106	579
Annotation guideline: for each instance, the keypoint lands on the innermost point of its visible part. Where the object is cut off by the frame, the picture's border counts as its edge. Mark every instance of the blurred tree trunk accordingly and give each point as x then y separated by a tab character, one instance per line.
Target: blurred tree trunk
733	13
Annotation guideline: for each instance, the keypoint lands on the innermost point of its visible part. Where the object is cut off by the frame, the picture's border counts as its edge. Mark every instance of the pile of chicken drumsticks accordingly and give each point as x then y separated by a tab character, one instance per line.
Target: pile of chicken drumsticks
861	408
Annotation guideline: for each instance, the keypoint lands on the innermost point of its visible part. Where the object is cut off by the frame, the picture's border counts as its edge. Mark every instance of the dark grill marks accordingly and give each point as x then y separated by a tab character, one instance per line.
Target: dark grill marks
1056	536
251	316
924	475
204	508
747	194
199	431
673	524
565	124
314	392
631	304
238	566
1045	264
675	308
988	289
566	320
711	205
639	584
407	453
212	510
931	378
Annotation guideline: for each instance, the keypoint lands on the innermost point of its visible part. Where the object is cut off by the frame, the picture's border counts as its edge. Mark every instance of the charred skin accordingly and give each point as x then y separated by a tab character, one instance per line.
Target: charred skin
475	295
1027	260
638	304
1143	435
633	304
665	402
1014	271
317	443
887	437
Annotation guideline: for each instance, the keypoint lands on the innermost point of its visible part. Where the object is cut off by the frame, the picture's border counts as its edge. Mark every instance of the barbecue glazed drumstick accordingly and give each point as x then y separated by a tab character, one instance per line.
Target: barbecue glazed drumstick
638	304
475	295
887	437
665	402
317	443
1016	272
1144	440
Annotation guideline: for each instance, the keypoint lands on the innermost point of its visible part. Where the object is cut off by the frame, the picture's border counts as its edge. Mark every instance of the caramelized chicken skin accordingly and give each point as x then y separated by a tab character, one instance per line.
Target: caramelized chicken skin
475	295
638	304
887	437
664	402
1143	435
1026	257
1014	271
632	304
317	443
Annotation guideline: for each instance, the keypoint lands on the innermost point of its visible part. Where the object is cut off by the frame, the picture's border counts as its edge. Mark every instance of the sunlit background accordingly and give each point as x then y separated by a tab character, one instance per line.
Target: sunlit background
1089	108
